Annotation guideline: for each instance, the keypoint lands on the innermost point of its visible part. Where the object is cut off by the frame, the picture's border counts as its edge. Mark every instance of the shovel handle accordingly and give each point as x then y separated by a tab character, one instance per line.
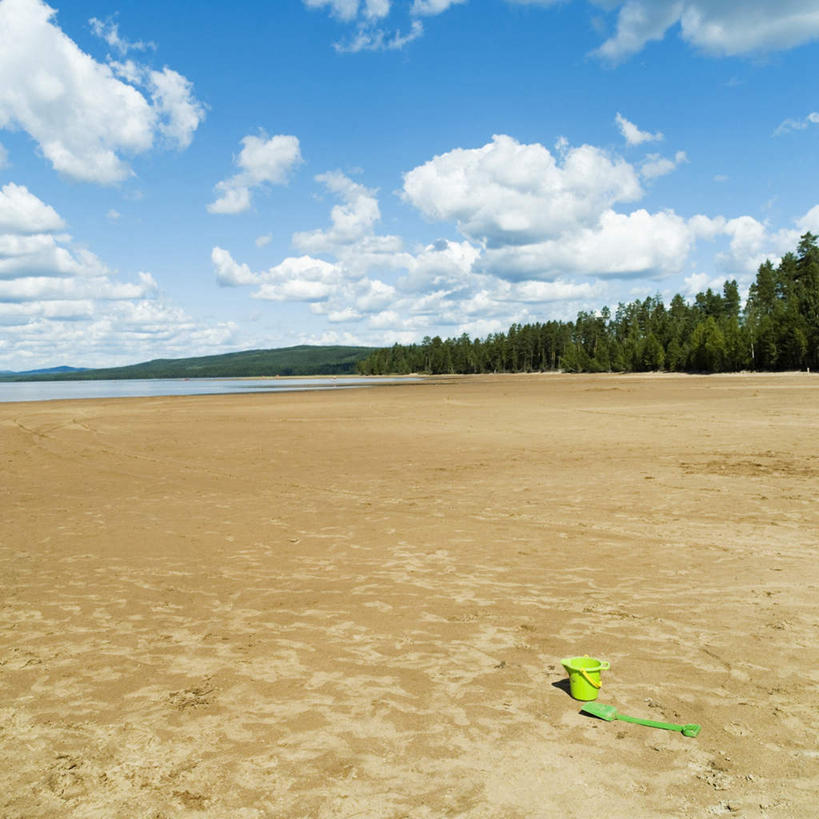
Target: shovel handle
669	726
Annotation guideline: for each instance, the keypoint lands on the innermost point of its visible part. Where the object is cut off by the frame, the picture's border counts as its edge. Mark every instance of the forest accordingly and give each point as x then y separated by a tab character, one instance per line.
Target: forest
776	329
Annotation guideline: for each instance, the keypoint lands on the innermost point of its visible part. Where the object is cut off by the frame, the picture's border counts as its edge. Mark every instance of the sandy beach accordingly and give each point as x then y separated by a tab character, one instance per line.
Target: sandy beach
354	603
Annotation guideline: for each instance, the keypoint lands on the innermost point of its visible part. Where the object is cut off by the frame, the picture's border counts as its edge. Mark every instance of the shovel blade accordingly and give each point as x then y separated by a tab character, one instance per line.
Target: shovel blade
597	709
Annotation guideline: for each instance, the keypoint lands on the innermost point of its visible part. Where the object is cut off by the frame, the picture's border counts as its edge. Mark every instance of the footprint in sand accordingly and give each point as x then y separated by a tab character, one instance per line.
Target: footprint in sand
737	729
196	697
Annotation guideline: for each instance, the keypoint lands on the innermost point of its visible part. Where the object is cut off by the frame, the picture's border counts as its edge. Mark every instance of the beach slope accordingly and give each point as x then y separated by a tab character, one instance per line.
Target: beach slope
355	603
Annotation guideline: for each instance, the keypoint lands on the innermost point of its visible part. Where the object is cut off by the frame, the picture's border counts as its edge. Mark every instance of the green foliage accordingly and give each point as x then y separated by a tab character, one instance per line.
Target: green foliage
778	329
301	360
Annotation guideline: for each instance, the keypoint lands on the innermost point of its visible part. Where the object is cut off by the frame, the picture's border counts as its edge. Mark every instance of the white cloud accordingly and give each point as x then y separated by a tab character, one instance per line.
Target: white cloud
348	10
88	290
56	296
432	7
637	244
42	254
797	124
443	264
261	241
639	22
298	278
810	221
108	30
508	193
178	111
82	117
91	332
351	238
750	242
367	16
4	157
717	27
654	165
22	212
437	284
342	316
301	278
261	161
230	273
377	39
699	283
352	220
543	292
537	229
633	135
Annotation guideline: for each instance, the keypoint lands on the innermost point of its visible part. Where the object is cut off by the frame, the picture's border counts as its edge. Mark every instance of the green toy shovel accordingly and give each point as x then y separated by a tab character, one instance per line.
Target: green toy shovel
609	713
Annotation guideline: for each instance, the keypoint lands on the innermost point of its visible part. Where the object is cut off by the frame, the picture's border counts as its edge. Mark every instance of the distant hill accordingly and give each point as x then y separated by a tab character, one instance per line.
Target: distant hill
300	360
45	371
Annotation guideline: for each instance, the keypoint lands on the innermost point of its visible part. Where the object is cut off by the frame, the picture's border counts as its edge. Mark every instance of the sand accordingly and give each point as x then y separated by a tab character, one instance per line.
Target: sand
355	603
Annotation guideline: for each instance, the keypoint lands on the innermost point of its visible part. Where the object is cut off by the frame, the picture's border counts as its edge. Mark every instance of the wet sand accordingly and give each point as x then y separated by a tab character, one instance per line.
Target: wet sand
355	603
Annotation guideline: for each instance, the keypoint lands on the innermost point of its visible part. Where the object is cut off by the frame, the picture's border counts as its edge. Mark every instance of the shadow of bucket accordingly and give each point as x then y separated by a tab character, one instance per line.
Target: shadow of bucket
584	676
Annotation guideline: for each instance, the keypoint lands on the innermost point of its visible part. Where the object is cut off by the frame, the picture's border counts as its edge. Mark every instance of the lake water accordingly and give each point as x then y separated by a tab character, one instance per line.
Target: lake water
13	391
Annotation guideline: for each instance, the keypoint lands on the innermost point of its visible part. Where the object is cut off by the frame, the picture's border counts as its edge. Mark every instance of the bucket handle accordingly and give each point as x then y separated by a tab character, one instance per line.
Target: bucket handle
604	666
589	680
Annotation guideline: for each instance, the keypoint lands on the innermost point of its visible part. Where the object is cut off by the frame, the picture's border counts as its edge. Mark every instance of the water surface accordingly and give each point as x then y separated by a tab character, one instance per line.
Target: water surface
11	391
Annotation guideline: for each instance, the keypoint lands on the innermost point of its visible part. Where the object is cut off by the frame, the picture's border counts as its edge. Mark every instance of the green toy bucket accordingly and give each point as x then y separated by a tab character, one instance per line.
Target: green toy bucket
584	676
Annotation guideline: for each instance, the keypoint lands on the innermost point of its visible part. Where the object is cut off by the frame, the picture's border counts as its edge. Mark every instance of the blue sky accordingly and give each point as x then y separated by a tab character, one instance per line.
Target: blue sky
189	178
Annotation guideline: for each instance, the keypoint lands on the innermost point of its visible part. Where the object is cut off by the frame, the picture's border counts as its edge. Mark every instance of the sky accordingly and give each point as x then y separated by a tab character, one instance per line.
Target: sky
190	178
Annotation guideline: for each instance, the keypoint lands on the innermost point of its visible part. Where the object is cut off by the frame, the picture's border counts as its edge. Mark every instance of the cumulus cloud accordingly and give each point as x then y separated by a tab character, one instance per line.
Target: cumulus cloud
444	264
261	161
301	278
351	238
298	278
57	296
103	333
21	212
435	285
638	244
352	220
178	111
230	273
51	290
508	193
810	221
536	228
716	27
82	116
750	242
633	135
654	165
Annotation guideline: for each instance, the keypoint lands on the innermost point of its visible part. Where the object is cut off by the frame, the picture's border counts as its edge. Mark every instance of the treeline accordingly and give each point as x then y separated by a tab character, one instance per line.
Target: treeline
777	329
